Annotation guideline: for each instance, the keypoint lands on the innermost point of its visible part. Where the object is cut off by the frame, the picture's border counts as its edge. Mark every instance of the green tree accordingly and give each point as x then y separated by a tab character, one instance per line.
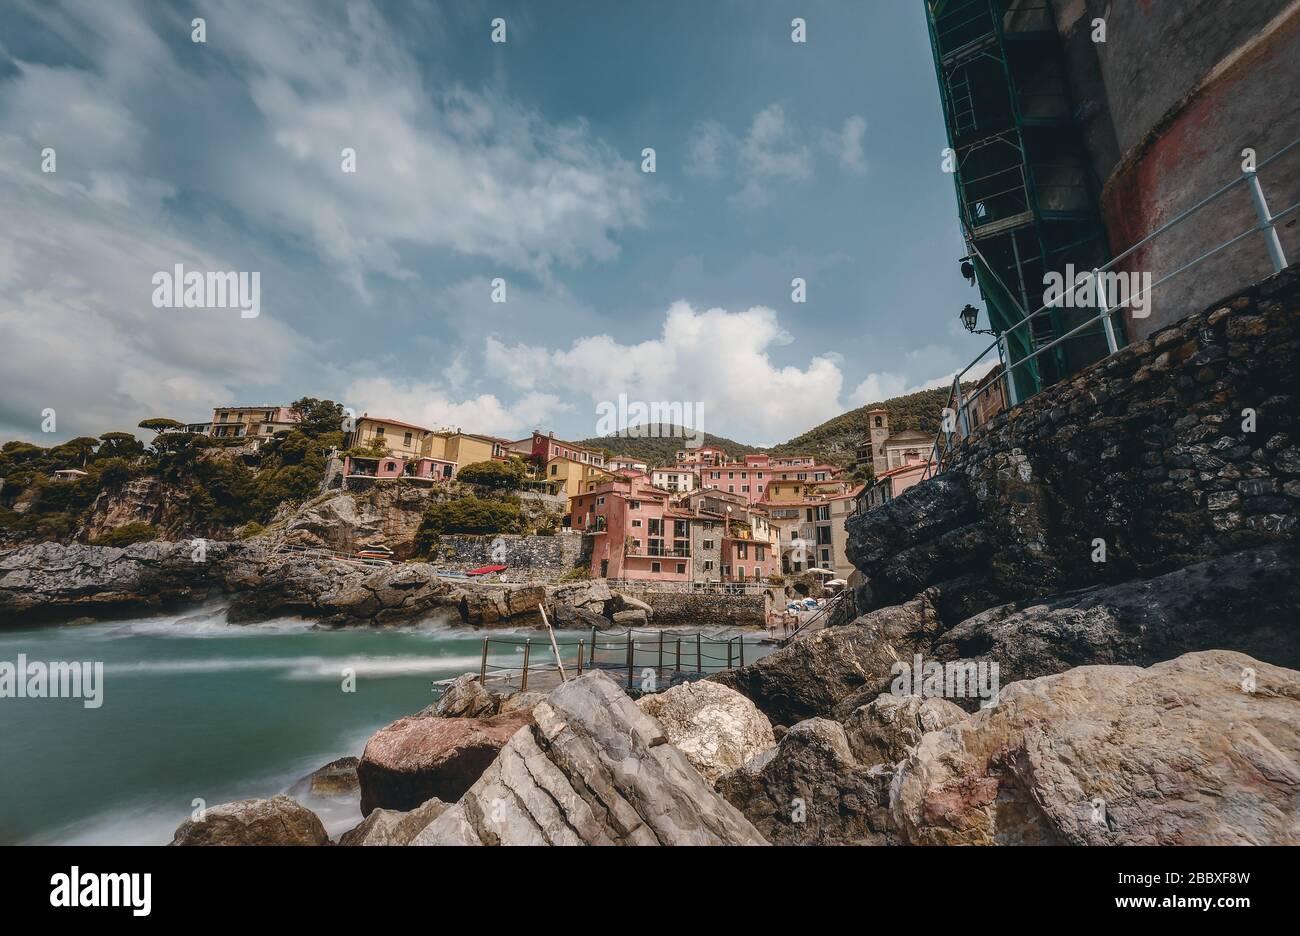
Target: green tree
466	515
496	475
160	424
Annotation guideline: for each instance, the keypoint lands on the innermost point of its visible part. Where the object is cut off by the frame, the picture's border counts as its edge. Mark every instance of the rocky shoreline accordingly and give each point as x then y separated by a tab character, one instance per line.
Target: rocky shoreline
53	582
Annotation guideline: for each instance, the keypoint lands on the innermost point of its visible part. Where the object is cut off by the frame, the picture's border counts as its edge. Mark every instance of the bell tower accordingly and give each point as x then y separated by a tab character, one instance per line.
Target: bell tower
878	423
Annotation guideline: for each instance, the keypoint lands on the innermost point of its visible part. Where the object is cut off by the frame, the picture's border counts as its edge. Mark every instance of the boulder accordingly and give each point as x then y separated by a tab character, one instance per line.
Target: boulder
628	603
593	769
276	821
717	728
421	757
465	697
1245	601
631	618
1199	750
814	674
336	780
886	729
390	827
811	790
521	701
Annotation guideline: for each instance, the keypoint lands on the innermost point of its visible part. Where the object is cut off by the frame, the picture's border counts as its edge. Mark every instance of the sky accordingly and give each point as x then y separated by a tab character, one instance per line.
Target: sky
519	162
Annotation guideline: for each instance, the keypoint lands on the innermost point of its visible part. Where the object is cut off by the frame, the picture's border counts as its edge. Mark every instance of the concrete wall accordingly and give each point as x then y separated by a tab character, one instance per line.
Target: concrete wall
1168	103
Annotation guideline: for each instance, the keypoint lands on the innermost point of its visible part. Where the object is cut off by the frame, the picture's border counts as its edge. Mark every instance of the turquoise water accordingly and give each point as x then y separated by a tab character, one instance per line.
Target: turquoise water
196	708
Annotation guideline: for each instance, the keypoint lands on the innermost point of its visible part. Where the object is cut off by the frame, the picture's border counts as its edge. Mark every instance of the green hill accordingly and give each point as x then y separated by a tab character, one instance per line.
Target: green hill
660	451
834	441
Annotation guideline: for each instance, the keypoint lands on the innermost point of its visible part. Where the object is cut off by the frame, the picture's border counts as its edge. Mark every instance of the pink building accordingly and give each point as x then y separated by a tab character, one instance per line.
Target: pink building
706	455
636	532
396	466
543	448
750	482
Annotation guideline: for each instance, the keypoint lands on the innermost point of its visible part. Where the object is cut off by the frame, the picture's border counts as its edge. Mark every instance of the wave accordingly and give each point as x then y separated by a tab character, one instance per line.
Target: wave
302	667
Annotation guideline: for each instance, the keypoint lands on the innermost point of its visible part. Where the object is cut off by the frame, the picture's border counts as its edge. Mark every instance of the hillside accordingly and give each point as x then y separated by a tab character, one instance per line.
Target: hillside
834	441
660	451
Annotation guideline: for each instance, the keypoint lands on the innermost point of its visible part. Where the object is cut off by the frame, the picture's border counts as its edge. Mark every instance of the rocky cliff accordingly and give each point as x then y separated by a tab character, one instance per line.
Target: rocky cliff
54	581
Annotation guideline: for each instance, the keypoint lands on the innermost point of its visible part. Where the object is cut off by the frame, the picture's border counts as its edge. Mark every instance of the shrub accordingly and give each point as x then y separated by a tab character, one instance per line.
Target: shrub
127	534
496	475
466	515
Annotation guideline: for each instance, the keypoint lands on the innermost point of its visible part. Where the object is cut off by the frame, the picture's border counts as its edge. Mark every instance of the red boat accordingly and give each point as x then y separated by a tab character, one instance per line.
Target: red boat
487	570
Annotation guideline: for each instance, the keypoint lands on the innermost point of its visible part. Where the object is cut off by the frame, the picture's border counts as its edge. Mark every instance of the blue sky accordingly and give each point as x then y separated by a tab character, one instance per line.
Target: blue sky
474	161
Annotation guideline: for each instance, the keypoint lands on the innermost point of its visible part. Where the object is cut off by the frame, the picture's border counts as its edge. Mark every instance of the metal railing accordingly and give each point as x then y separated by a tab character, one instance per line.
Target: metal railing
819	618
692	588
648	660
943	446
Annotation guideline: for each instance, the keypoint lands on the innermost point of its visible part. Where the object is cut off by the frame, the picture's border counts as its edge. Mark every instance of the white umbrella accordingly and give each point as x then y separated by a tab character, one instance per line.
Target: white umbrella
840	582
822	572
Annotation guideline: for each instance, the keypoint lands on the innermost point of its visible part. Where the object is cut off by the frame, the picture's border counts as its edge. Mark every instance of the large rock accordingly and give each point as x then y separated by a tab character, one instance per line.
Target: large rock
276	821
421	757
594	769
1200	750
465	697
717	728
336	780
1245	602
886	729
813	675
390	827
811	790
344	521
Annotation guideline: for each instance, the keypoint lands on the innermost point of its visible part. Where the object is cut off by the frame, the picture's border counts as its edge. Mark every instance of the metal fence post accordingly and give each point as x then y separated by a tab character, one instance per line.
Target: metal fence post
592	658
661	651
677	657
580	642
1275	251
962	415
1006	370
527	648
1107	325
741	638
482	667
698	667
631	652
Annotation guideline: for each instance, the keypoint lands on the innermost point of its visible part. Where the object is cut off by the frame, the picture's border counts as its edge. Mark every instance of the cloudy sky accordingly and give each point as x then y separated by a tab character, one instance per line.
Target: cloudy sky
474	161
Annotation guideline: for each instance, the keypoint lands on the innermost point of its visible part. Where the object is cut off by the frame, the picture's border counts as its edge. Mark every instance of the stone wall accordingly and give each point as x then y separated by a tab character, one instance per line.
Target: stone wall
541	558
691	610
1182	447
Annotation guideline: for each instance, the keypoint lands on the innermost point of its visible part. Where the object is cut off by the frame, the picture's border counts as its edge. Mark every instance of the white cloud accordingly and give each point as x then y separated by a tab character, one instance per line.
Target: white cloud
845	144
876	388
770	153
709	146
427	403
718	358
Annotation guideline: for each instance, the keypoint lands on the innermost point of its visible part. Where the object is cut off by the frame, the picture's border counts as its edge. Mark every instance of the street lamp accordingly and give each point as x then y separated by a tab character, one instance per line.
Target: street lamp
970	318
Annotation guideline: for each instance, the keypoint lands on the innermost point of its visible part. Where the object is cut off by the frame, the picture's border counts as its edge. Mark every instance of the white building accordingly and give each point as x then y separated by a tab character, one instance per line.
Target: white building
675	480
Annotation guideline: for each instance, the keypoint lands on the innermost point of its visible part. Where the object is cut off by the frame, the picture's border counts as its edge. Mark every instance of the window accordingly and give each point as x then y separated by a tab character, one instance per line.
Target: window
555	470
708	565
742	550
681	568
634	505
379	430
731	475
826	555
740	573
760	477
758	553
707	544
731	489
600	501
636	523
654	567
760	489
878	422
745	488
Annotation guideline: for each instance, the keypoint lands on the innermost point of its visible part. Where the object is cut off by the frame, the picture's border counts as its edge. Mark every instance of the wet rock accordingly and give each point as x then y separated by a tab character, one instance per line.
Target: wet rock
421	757
276	821
336	780
465	697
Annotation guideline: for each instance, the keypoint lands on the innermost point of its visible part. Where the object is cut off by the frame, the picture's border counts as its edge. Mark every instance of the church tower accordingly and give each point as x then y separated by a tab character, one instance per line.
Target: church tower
878	422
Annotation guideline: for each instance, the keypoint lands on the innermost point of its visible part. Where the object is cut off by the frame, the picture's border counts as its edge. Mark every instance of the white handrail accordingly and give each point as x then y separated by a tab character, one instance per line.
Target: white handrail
1267	223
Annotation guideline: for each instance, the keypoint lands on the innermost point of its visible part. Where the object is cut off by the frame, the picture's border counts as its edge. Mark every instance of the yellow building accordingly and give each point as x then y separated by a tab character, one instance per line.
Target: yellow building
251	422
465	448
571	478
404	439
